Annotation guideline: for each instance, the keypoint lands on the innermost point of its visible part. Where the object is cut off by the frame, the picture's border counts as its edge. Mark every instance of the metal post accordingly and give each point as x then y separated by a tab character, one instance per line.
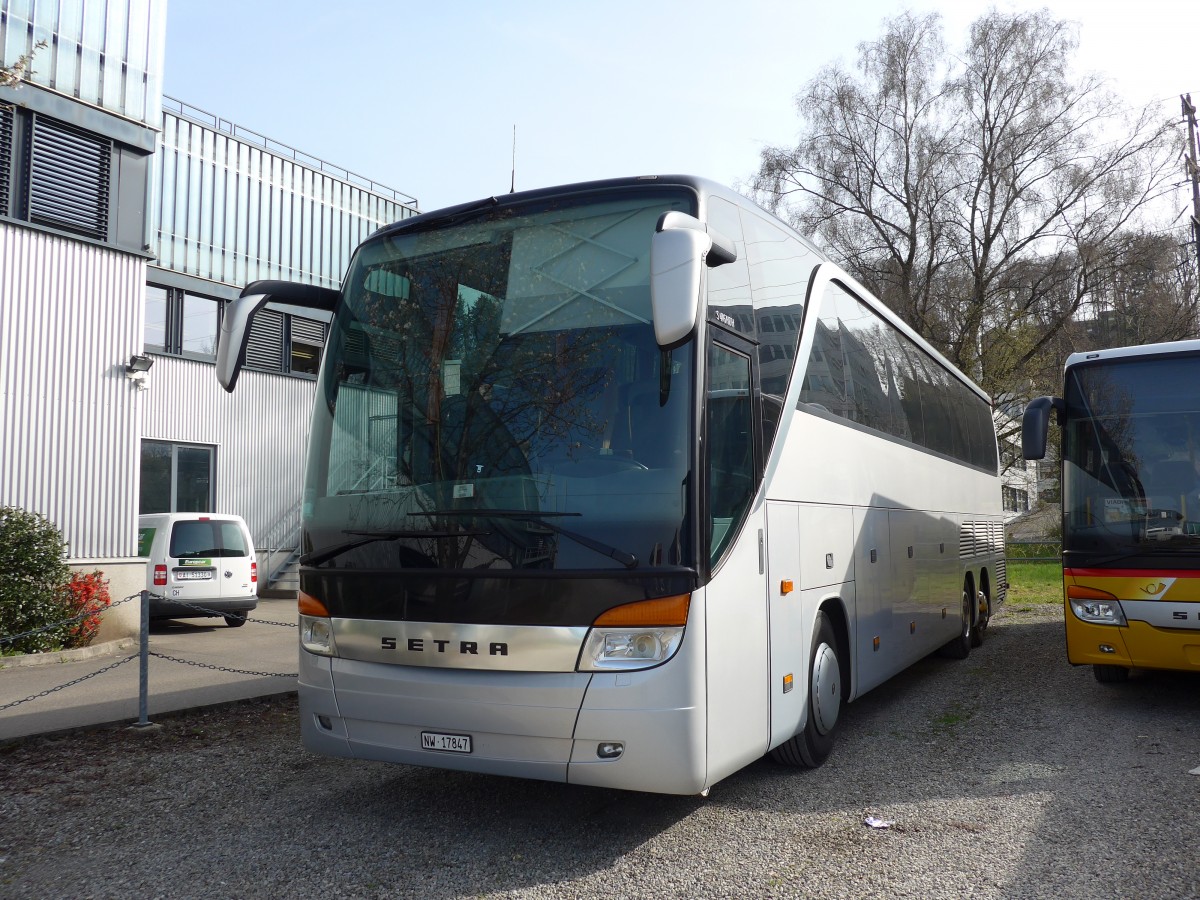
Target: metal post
144	665
1189	113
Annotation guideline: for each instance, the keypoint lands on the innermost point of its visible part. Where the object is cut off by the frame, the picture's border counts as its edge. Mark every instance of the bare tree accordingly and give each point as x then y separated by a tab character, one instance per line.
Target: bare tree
983	196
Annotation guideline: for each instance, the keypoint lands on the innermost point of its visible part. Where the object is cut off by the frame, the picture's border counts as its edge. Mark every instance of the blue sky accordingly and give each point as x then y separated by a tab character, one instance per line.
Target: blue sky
423	97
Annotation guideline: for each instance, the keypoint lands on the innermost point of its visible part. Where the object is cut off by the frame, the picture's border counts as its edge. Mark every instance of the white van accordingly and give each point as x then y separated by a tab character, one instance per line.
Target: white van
200	564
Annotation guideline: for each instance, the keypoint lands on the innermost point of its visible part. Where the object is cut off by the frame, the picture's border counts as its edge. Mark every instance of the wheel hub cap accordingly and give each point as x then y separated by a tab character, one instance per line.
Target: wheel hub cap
826	689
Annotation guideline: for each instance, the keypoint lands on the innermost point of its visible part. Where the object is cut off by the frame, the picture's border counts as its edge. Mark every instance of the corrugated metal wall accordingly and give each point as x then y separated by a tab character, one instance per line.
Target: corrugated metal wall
70	318
260	432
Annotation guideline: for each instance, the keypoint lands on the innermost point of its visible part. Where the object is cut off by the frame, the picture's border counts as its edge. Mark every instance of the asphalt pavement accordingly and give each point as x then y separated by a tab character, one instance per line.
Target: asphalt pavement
192	663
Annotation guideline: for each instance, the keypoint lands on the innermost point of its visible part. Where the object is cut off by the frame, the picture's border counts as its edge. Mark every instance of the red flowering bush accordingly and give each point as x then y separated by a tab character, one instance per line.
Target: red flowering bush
86	597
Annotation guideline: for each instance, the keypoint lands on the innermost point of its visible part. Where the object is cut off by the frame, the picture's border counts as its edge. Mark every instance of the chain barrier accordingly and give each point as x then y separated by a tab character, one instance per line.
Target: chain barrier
215	668
9	638
49	691
207	611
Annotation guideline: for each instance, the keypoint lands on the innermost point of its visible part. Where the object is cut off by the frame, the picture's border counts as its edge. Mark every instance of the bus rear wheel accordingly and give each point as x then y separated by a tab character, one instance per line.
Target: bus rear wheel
1110	674
984	607
812	746
960	647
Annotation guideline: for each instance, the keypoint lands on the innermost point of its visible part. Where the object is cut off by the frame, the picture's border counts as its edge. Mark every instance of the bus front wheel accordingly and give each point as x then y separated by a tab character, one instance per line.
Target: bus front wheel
1110	674
812	746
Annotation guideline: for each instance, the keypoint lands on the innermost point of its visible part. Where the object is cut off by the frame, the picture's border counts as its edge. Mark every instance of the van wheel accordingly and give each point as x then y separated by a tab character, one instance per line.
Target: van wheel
238	620
960	647
812	746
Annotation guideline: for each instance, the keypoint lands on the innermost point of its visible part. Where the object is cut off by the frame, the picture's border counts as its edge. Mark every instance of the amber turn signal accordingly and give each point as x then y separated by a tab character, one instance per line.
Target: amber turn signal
311	606
647	613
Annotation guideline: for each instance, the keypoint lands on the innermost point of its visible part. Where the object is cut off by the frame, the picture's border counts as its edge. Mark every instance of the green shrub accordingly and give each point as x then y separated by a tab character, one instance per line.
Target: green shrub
33	582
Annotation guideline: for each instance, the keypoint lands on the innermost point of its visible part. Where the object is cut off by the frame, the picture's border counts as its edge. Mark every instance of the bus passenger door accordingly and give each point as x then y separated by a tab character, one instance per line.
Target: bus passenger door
735	597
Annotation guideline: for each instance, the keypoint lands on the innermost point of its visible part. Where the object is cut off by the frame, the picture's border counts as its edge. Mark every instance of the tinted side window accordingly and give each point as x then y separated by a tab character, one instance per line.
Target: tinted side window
780	267
730	445
729	285
864	370
848	371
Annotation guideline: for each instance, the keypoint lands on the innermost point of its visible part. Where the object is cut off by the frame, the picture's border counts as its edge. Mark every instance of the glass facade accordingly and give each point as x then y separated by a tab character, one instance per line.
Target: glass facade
233	211
105	52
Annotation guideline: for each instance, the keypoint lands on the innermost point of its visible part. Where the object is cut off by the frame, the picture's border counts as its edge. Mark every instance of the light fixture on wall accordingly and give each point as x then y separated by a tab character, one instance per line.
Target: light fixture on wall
137	367
138	364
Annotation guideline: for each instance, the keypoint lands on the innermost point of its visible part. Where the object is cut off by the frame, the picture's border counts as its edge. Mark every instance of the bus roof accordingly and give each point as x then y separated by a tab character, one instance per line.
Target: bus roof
1116	353
701	187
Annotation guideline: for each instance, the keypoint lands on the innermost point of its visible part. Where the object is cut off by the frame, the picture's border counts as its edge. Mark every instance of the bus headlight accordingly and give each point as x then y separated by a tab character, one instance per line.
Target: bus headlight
1098	612
316	635
628	648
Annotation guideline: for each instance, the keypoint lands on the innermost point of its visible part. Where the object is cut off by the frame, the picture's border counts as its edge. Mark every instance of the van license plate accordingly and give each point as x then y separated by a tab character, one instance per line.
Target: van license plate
193	574
450	743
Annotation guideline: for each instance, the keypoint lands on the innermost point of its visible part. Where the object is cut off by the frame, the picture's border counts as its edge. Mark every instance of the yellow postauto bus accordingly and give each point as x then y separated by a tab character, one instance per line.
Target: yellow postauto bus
1130	420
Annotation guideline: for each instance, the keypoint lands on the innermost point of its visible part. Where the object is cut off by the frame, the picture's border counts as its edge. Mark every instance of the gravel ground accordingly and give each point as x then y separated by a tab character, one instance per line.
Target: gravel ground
1008	775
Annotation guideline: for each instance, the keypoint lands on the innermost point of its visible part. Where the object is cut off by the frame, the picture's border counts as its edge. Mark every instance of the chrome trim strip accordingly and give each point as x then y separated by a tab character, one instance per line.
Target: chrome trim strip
1163	613
503	648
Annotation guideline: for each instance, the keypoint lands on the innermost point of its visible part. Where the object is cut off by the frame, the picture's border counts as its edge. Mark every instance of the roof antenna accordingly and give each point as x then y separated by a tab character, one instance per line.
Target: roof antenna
513	188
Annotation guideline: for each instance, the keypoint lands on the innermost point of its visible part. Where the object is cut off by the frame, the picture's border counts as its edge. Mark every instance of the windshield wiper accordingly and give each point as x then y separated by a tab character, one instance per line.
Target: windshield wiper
370	537
628	560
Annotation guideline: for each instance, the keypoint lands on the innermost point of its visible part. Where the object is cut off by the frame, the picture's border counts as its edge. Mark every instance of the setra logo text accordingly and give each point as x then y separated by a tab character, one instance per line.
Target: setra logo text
435	645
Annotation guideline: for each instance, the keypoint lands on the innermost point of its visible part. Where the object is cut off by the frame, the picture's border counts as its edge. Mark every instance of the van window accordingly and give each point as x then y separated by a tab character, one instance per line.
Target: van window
205	540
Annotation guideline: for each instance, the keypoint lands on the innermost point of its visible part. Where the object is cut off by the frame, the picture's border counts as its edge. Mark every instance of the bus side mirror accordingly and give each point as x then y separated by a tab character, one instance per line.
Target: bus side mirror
1036	423
682	245
234	334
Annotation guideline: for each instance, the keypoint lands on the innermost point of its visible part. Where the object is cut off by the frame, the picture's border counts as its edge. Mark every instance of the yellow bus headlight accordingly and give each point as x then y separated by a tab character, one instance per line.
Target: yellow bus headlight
1095	606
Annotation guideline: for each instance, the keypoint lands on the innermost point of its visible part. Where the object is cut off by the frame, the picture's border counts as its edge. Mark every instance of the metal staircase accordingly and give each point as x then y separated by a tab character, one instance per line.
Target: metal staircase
279	555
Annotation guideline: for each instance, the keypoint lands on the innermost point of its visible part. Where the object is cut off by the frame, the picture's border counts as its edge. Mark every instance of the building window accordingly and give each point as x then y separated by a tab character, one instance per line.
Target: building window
181	323
71	180
306	338
1015	500
176	478
285	343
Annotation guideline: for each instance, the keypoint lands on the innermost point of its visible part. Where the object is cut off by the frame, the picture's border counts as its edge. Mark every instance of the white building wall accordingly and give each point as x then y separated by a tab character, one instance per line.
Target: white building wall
260	432
70	318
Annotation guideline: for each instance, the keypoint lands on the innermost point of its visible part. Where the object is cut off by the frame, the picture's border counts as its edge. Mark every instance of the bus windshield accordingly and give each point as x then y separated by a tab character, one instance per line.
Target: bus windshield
493	398
1131	460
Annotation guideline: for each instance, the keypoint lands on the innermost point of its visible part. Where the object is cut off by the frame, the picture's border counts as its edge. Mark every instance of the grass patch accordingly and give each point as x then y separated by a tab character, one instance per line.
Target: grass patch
1035	583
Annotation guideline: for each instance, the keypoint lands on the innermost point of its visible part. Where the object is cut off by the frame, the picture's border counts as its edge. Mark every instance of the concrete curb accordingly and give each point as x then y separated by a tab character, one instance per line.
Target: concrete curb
95	651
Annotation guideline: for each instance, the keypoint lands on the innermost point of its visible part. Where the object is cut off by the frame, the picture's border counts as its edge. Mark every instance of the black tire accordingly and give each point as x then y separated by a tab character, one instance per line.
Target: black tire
982	617
238	619
960	647
812	746
1110	674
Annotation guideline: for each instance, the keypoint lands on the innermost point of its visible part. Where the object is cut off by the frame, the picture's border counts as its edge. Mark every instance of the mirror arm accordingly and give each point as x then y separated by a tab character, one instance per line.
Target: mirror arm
234	333
1035	424
722	251
308	296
